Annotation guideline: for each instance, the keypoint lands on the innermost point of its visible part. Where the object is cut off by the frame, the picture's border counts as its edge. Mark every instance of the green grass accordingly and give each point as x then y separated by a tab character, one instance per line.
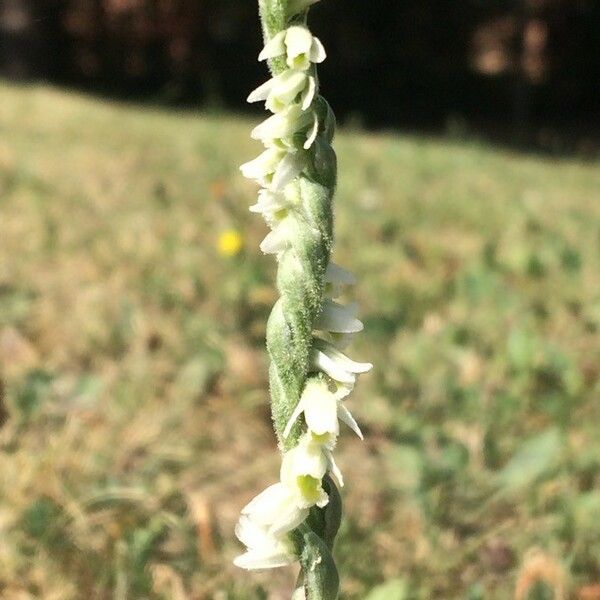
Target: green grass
131	353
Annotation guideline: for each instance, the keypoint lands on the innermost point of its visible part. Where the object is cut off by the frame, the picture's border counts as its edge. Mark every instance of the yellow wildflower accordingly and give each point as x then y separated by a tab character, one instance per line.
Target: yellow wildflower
230	243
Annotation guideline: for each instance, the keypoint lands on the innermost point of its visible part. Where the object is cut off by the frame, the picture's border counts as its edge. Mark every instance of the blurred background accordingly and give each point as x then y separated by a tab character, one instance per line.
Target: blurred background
520	70
134	419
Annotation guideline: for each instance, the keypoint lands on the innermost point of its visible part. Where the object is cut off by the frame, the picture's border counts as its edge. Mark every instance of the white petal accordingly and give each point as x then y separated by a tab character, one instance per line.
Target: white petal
250	533
282	124
263	165
266	502
288	520
261	92
340	359
310	140
335	274
335	471
254	560
272	513
297	412
276	126
274	47
321	361
276	241
285	89
345	416
317	51
320	410
338	318
298	40
304	459
309	93
268	202
287	170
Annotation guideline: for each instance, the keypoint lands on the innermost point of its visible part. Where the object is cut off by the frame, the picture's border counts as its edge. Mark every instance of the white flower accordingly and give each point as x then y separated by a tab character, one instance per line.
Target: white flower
287	170
282	90
263	167
338	318
271	205
274	168
336	364
264	550
269	201
323	409
274	205
302	472
300	47
279	129
276	510
277	240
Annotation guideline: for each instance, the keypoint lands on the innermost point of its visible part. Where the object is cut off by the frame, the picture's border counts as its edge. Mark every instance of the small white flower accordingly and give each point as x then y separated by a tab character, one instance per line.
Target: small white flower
269	202
300	47
336	364
338	318
323	409
263	167
277	240
276	510
274	47
282	90
264	550
274	168
287	170
302	472
279	128
272	206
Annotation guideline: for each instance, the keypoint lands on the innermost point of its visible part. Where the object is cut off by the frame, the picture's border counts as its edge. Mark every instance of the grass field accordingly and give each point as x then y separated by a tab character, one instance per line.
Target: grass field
135	415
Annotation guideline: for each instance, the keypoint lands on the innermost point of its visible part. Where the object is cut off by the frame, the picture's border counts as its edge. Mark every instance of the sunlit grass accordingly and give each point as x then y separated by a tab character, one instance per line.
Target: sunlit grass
131	351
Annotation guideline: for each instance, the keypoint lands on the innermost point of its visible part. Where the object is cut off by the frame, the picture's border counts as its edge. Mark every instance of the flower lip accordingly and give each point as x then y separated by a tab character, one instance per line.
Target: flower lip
264	550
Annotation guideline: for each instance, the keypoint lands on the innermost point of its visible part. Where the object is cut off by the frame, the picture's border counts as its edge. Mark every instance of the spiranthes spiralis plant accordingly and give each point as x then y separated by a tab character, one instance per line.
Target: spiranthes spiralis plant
297	519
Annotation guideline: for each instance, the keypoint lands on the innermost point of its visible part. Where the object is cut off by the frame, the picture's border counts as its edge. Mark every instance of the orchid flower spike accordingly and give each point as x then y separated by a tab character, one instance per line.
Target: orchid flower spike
311	376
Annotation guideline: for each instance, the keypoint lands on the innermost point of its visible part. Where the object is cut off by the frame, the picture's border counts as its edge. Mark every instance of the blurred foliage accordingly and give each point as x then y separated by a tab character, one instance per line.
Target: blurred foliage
521	70
131	350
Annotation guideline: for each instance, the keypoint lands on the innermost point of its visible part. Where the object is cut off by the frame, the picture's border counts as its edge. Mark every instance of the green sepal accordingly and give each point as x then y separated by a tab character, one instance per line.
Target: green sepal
327	122
326	521
321	579
323	166
317	206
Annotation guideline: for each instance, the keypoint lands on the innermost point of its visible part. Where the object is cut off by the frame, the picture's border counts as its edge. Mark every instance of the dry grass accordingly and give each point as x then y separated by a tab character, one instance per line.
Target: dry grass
131	354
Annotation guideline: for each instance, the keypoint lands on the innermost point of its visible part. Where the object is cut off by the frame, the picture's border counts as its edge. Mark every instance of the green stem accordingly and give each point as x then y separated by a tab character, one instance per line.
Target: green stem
301	283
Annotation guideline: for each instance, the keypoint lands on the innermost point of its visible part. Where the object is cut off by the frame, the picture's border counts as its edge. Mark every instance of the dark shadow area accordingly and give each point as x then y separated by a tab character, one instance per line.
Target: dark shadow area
523	73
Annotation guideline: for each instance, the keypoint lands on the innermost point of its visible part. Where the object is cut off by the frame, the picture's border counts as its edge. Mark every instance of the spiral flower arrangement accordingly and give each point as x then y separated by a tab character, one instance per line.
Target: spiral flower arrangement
297	518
